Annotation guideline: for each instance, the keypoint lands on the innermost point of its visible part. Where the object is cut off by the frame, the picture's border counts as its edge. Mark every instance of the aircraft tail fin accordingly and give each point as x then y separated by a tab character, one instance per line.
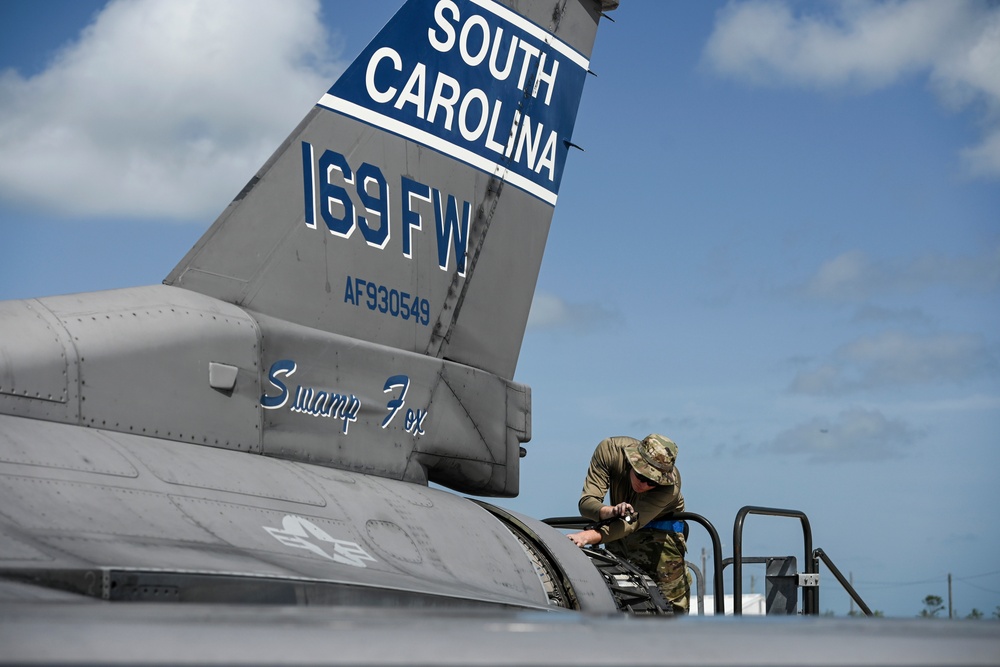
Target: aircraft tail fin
411	206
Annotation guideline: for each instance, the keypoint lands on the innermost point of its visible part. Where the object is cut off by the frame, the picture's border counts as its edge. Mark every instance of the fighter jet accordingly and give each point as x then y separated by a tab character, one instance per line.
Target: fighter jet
265	424
236	466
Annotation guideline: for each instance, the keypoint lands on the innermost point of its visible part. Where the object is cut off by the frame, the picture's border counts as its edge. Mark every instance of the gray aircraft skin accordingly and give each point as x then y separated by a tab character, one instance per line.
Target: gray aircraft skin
255	438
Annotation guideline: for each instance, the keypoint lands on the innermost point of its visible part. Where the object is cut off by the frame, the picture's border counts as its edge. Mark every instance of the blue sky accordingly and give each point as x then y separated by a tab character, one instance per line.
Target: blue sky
780	245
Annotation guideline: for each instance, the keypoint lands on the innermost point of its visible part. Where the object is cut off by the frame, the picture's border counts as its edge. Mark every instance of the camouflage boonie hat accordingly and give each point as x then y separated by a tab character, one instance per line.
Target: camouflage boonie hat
653	457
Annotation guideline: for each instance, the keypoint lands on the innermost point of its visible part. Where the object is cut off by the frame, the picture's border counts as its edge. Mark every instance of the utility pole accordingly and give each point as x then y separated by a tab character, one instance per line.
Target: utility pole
949	596
704	569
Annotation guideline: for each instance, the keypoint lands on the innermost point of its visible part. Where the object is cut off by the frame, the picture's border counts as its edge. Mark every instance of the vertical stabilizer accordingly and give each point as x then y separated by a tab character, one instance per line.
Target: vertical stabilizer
410	207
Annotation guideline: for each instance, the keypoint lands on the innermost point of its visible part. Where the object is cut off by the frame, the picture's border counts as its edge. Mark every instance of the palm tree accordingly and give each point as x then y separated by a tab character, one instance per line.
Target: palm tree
932	606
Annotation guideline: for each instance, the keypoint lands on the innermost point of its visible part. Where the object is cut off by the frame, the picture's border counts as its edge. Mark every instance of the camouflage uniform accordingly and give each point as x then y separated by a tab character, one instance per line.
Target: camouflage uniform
659	553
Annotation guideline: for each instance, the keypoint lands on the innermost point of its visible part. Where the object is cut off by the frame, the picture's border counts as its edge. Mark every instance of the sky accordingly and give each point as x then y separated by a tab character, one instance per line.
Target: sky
780	245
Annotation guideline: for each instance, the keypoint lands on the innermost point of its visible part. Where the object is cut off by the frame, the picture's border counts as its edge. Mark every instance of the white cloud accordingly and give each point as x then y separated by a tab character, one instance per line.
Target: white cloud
897	359
550	312
854	276
854	435
161	109
847	276
868	45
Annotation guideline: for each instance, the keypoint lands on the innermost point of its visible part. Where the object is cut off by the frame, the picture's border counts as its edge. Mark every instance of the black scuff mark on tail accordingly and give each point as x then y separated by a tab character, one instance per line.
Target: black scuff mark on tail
326	263
441	334
246	188
558	11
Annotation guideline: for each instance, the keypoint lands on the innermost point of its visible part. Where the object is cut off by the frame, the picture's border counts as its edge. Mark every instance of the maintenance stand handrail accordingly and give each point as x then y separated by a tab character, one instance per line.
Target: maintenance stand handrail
718	584
810	601
820	554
